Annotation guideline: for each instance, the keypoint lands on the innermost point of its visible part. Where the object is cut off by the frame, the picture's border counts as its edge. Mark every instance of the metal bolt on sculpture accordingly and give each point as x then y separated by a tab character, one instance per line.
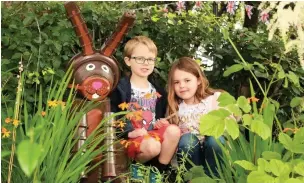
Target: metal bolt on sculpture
96	74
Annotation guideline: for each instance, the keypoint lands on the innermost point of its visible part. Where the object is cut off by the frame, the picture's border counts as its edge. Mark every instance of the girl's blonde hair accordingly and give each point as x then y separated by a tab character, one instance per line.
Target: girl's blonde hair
186	64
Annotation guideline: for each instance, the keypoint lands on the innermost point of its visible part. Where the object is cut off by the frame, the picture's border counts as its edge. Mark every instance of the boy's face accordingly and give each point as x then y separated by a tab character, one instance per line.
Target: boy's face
141	61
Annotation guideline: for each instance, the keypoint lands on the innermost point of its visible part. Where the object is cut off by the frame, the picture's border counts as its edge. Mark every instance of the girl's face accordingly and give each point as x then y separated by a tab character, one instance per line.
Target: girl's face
185	85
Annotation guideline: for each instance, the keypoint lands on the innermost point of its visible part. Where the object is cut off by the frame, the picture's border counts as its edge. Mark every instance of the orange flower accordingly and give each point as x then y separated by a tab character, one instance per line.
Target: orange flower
52	103
158	95
16	122
136	105
6	133
157	138
43	113
8	120
123	106
290	129
146	136
136	144
138	115
122	142
253	99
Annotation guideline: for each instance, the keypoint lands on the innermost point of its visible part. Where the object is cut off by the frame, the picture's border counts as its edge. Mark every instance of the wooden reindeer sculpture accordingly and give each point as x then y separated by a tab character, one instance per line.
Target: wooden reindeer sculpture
96	73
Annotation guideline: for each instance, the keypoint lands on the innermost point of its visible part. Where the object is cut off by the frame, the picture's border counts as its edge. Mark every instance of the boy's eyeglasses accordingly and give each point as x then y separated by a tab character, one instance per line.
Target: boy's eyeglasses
141	60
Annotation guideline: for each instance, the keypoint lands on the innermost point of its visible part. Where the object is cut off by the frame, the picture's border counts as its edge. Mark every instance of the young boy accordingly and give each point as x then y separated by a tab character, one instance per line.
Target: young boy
140	55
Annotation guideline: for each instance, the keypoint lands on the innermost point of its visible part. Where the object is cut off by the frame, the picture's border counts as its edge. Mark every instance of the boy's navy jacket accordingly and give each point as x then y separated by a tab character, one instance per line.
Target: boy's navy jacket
122	93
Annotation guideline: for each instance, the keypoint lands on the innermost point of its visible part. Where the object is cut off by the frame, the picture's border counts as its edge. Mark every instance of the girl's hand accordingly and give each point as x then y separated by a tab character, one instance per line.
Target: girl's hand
160	123
138	132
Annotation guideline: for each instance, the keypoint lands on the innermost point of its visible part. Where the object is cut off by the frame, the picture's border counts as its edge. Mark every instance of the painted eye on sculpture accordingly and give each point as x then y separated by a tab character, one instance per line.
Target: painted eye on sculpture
90	67
105	68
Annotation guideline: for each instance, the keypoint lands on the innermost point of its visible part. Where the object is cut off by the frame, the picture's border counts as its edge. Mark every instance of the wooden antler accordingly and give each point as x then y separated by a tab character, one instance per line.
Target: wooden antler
80	27
123	27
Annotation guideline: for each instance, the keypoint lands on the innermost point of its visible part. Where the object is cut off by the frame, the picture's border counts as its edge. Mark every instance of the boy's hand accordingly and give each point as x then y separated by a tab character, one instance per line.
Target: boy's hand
137	133
160	123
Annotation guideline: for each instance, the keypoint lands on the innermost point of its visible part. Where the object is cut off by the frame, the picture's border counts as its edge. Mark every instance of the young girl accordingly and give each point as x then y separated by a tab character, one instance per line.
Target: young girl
190	97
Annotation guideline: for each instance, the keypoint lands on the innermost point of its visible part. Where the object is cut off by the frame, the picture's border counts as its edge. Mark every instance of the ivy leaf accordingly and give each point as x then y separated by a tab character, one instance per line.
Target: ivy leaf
243	103
261	129
246	165
225	99
232	69
28	154
268	155
232	128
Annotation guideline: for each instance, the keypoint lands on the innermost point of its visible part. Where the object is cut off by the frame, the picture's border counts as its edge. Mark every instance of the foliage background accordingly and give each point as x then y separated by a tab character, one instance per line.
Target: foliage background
40	35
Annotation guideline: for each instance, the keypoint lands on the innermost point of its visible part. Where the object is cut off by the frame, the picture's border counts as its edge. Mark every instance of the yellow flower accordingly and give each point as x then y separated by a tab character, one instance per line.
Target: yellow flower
52	103
6	133
61	103
16	122
123	106
121	124
8	120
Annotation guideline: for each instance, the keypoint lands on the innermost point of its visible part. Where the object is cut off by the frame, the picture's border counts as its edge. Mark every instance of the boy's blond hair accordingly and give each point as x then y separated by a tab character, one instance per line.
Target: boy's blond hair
132	43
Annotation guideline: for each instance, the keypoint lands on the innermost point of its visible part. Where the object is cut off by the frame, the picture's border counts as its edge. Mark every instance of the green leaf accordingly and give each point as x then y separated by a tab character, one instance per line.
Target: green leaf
285	83
281	74
232	69
246	165
268	114
286	141
261	66
247	118
197	171
28	20
232	128
225	99
299	168
5	153
268	155
279	168
257	176
263	165
212	125
225	33
234	109
243	103
293	180
203	179
261	129
296	101
28	154
293	78
299	136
